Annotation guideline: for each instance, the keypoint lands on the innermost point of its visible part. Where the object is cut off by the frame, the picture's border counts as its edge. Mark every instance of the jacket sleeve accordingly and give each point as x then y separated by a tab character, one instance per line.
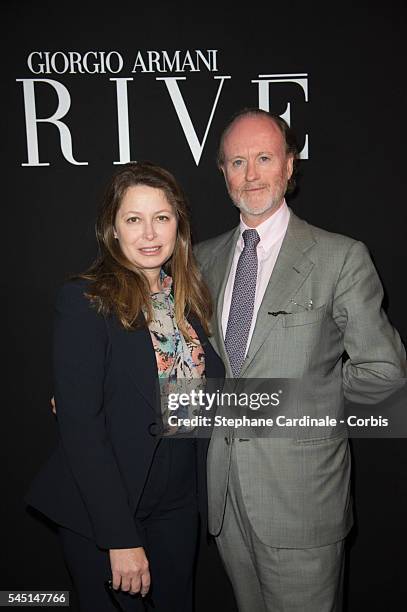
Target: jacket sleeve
79	359
376	364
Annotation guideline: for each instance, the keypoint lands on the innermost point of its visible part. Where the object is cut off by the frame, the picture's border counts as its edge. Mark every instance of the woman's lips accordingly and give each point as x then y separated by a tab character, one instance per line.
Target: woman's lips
150	250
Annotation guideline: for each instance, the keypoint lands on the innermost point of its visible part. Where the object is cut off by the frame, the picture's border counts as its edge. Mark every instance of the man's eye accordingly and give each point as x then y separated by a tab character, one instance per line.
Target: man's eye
237	163
264	158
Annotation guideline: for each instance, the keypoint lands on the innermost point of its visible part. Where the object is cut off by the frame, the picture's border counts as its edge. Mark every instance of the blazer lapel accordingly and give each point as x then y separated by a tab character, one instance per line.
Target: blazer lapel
218	279
139	360
290	271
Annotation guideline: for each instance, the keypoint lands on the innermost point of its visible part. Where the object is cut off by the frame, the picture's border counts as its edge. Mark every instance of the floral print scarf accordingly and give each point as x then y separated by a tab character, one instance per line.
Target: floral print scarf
180	363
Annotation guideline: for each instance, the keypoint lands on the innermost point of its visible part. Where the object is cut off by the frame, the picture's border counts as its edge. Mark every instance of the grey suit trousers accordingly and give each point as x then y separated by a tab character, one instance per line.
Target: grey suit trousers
270	579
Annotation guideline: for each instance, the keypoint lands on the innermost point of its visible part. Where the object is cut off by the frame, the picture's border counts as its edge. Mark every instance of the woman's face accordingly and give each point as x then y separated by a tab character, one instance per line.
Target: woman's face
146	228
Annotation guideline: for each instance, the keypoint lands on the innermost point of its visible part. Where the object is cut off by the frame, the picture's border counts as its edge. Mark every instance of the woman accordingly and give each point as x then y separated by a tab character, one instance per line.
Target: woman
123	496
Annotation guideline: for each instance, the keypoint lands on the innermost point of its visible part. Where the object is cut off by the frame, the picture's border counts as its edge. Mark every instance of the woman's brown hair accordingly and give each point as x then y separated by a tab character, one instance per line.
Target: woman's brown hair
116	285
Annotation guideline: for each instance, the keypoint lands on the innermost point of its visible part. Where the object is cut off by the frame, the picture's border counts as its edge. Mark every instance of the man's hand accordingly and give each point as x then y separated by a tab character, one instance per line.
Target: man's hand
53	405
130	570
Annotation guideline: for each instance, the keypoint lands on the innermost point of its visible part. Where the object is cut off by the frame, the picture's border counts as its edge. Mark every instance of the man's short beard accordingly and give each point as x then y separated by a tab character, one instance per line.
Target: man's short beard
272	204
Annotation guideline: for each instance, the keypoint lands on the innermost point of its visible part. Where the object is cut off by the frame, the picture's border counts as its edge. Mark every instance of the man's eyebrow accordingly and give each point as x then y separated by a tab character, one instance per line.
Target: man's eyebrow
237	156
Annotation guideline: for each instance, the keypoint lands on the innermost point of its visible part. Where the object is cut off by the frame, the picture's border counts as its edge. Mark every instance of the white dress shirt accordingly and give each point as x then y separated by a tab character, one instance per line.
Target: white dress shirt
271	232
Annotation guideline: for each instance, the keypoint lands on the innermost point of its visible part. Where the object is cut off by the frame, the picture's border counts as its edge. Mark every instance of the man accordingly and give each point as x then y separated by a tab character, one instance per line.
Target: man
292	301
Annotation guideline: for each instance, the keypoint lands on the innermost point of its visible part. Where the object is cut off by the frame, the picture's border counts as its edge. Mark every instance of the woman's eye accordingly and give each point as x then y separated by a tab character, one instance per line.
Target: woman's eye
132	219
163	217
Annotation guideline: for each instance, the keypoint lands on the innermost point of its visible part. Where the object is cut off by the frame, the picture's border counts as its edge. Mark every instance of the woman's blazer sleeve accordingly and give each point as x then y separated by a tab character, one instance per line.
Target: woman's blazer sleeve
80	355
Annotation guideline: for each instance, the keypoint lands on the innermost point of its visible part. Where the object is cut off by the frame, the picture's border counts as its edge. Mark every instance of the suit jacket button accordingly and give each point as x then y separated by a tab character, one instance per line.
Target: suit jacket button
153	429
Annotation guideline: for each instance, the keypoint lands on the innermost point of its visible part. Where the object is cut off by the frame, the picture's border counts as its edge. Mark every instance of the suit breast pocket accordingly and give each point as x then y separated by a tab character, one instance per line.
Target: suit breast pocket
307	317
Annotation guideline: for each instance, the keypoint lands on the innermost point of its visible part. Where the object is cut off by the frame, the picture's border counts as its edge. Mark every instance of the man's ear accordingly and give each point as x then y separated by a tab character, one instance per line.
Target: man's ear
290	166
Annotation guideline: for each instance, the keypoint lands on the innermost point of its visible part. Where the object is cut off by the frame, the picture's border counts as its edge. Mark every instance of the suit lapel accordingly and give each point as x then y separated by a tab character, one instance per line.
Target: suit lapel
139	360
290	271
218	276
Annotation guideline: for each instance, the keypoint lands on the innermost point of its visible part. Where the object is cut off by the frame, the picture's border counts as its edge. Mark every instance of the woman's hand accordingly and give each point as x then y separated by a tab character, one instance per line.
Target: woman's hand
130	570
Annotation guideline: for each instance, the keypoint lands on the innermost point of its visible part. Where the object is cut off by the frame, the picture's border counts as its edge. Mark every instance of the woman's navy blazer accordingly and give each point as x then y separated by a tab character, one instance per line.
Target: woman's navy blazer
106	389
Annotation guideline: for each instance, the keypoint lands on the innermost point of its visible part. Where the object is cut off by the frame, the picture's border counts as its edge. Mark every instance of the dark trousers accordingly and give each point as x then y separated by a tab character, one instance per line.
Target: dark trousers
169	519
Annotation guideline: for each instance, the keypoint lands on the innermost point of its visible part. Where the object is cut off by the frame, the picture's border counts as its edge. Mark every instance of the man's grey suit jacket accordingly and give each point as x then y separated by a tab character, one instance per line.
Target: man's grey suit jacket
297	491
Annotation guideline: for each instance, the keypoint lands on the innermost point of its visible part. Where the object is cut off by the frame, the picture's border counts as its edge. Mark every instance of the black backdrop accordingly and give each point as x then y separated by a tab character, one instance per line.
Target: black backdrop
352	56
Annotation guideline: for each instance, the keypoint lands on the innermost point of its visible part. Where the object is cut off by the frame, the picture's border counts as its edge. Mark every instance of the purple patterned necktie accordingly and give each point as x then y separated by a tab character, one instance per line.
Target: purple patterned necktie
242	304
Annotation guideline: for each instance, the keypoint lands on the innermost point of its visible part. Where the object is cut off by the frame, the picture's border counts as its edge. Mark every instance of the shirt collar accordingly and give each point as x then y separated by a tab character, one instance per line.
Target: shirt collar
271	230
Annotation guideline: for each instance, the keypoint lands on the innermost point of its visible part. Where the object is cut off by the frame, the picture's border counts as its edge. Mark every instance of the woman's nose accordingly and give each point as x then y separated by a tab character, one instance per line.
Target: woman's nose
149	232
